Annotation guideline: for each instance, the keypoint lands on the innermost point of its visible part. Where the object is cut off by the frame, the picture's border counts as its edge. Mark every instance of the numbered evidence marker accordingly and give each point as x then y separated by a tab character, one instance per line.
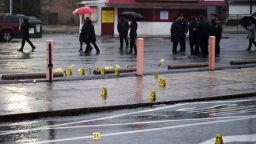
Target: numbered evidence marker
103	71
96	136
218	139
104	91
152	97
156	76
81	71
69	71
116	71
162	82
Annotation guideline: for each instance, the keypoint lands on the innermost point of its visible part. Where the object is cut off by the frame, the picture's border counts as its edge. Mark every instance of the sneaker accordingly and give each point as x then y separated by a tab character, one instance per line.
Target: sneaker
21	50
33	49
80	50
248	49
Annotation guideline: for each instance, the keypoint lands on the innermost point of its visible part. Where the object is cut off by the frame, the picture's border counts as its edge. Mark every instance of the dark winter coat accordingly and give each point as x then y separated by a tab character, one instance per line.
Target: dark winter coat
216	29
204	29
194	31
123	26
178	30
133	29
25	29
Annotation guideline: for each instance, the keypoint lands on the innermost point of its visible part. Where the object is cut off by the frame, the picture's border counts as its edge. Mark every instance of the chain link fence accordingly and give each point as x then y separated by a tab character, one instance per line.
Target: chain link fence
232	24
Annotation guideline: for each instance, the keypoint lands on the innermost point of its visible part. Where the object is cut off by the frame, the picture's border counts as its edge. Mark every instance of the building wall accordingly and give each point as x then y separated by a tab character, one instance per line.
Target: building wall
58	12
241	9
151	25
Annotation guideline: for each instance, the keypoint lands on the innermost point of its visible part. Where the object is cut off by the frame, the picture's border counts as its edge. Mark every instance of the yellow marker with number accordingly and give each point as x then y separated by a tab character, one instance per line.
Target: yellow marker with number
81	71
96	67
104	91
218	139
116	71
103	71
69	71
152	97
162	82
126	66
96	136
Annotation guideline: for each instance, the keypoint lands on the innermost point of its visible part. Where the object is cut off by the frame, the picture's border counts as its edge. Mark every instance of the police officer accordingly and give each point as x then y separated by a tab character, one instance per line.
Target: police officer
179	30
193	36
123	27
216	30
25	35
204	32
133	36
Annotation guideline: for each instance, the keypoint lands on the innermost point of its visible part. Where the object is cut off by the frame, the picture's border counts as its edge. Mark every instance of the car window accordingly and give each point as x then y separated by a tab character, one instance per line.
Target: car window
1	19
11	19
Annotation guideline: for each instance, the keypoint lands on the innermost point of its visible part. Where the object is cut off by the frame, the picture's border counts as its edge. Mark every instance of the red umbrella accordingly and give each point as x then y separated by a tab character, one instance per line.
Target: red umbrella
83	10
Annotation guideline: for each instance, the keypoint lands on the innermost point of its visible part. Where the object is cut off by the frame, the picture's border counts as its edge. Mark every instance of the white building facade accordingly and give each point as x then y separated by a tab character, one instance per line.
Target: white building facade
158	14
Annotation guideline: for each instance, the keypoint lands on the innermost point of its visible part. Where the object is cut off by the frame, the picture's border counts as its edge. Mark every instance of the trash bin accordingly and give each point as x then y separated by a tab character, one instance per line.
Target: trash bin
35	27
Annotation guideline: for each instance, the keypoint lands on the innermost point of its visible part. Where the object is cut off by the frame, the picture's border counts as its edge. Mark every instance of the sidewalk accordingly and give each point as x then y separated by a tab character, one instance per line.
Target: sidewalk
30	100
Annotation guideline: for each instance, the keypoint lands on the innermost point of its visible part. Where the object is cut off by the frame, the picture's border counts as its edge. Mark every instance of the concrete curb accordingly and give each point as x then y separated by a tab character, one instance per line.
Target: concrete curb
124	75
79	111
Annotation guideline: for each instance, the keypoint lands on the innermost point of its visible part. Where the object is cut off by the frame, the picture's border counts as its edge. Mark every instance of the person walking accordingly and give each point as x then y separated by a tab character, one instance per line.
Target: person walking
25	35
216	30
123	27
91	35
204	33
193	36
82	36
251	34
133	36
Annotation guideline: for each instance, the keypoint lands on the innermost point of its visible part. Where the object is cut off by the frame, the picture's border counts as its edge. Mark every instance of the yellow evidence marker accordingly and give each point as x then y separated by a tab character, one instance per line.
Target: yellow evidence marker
152	97
96	136
162	82
116	71
104	91
69	71
218	139
103	71
156	76
81	71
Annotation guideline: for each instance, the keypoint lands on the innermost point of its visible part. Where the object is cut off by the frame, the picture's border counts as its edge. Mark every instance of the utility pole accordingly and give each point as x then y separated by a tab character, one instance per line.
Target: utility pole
10	6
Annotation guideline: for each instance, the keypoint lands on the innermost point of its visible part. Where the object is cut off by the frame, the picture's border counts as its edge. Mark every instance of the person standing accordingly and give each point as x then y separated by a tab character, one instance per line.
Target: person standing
133	36
204	33
123	27
251	34
216	30
179	30
193	36
91	35
25	35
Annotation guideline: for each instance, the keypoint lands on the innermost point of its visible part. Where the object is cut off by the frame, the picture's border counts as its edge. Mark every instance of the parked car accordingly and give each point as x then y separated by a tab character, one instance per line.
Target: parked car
9	27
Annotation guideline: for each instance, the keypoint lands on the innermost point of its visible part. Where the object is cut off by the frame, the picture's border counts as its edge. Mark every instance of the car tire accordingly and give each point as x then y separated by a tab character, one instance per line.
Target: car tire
7	35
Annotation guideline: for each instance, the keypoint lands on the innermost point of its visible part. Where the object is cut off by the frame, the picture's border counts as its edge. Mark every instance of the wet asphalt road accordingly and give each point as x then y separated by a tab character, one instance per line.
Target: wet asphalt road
187	123
66	54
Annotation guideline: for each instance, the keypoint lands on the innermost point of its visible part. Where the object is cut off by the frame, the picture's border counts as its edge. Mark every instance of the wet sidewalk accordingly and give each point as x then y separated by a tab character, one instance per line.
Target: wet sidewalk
28	100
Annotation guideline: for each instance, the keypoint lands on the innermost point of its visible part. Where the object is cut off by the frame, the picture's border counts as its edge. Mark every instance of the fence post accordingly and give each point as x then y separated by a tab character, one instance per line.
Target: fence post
49	65
140	56
212	53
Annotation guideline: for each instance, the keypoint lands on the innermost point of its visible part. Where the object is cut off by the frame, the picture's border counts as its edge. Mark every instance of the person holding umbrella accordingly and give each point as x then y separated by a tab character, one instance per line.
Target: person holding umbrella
133	36
251	34
25	35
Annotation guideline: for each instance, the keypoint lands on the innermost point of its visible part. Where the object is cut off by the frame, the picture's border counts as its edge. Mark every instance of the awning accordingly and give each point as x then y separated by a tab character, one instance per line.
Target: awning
167	2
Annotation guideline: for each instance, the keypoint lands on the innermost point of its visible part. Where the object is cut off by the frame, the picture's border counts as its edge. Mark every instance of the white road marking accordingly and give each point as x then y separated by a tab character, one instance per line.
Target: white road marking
146	130
234	138
148	122
114	116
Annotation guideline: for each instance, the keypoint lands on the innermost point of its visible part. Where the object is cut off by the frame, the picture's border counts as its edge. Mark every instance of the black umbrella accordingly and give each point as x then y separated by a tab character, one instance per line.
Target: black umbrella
245	21
132	15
